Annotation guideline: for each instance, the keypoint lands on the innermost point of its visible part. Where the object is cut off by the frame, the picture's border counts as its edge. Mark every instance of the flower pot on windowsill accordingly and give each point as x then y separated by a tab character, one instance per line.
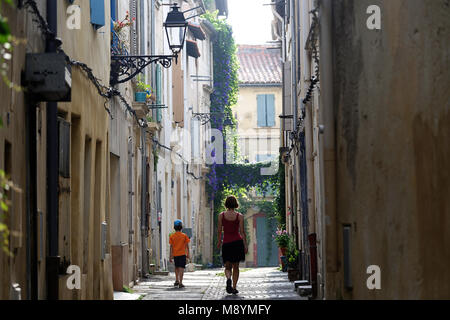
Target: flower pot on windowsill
140	97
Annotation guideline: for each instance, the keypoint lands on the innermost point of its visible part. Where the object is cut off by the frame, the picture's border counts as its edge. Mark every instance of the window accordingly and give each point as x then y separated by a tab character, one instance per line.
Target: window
98	13
64	148
266	110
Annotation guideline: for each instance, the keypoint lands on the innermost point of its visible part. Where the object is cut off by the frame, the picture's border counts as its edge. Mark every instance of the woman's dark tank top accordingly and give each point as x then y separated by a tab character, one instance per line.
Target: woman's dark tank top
230	229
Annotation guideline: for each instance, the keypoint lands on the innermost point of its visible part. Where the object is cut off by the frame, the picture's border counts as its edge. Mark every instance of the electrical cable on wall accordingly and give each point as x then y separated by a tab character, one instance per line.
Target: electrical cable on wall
104	91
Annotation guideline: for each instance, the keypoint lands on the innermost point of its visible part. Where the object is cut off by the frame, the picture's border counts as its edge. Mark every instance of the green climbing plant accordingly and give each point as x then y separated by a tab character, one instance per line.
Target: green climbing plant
7	41
6	187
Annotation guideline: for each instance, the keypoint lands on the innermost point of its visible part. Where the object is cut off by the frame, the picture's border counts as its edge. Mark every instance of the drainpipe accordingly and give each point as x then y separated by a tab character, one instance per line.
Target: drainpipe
153	47
294	98
155	116
31	200
330	243
53	260
144	206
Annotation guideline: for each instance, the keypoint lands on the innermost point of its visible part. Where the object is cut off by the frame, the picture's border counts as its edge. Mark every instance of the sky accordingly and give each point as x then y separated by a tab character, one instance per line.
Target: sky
251	21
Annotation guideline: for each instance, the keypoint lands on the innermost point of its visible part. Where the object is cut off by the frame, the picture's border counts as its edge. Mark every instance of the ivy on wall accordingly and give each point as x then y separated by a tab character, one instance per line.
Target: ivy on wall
237	178
7	41
5	183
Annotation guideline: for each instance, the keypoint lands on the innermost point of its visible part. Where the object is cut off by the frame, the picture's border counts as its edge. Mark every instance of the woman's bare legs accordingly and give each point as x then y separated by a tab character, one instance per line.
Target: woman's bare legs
235	274
228	268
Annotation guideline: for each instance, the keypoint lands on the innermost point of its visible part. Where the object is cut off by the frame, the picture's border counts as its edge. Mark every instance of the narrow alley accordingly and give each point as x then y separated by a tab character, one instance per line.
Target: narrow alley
254	284
139	138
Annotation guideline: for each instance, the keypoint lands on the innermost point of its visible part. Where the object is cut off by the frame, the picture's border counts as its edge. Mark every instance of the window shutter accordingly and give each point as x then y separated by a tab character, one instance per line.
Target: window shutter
158	92
261	111
113	13
98	13
113	10
270	105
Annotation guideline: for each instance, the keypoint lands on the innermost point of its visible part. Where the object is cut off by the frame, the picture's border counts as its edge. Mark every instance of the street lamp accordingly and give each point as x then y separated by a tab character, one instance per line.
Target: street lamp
176	26
126	67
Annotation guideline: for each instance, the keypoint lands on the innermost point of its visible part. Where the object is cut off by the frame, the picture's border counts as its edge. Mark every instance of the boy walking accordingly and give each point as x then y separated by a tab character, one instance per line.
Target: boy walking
179	251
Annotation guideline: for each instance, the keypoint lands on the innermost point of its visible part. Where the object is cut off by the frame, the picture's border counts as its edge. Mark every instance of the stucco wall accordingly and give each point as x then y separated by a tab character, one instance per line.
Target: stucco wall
246	116
13	110
392	102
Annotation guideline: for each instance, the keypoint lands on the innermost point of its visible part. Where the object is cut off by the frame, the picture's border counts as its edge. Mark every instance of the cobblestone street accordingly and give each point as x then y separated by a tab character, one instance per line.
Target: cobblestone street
254	284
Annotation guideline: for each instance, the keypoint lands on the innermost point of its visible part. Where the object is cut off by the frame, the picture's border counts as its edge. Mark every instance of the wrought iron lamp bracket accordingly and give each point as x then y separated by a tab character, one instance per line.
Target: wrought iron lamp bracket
124	67
206	117
203	117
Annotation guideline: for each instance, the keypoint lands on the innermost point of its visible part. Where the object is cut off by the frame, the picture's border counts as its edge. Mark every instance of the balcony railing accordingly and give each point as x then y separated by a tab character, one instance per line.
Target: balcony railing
118	47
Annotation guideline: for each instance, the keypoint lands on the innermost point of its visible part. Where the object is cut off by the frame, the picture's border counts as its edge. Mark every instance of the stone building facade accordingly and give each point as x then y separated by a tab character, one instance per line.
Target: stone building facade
368	187
100	184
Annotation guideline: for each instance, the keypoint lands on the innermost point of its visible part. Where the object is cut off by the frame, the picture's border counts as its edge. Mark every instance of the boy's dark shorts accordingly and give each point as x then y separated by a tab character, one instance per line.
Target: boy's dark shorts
180	261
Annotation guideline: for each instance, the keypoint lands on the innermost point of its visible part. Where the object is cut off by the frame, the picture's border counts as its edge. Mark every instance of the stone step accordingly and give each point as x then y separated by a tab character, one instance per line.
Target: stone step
301	283
304	291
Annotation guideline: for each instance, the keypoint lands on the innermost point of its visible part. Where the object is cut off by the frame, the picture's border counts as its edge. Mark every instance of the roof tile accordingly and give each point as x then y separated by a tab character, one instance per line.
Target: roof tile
259	64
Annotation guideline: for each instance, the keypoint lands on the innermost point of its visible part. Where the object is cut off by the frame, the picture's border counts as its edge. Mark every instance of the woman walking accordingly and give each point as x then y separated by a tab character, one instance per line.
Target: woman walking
234	247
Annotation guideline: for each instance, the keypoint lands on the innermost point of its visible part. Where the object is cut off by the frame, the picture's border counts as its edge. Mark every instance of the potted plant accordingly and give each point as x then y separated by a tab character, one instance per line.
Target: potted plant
120	34
144	92
281	238
293	261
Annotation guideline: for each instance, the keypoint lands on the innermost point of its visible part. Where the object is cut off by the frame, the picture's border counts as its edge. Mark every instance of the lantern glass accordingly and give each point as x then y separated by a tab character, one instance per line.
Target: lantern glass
176	27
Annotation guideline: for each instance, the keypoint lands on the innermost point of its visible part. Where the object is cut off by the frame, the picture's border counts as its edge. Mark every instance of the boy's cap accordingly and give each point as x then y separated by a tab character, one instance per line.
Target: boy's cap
178	223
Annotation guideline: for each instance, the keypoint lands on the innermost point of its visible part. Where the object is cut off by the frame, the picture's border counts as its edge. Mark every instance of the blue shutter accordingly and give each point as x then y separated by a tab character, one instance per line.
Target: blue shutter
158	92
113	13
98	13
270	105
113	10
261	111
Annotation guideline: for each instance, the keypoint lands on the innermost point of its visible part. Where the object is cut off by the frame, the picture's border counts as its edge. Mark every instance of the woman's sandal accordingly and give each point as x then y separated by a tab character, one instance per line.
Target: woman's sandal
229	288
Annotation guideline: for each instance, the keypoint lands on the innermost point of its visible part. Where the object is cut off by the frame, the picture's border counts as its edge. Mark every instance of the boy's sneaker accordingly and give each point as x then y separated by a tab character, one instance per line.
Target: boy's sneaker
181	286
176	284
229	288
235	291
